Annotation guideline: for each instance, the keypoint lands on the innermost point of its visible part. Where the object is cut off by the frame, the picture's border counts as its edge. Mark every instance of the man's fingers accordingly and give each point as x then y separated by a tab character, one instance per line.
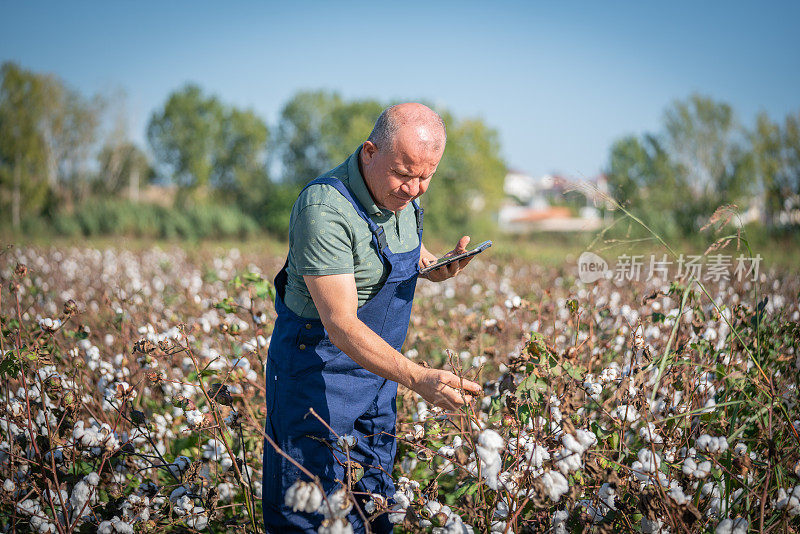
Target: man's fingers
462	245
457	383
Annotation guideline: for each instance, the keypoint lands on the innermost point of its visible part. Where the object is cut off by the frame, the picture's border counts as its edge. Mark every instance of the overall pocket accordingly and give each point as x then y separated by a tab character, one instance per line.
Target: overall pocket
312	349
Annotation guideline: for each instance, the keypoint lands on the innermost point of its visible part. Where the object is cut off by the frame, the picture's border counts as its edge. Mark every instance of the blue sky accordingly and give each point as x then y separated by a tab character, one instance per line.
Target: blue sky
560	81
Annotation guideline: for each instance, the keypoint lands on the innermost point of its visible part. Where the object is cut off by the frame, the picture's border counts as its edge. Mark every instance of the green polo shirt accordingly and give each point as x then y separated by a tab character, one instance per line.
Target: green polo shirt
327	236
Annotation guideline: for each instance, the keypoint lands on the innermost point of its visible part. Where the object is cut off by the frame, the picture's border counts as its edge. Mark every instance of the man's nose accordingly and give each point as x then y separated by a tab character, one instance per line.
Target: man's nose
411	187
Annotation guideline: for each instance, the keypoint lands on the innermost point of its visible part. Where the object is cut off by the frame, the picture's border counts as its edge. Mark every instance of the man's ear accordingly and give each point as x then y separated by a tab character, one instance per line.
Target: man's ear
369	150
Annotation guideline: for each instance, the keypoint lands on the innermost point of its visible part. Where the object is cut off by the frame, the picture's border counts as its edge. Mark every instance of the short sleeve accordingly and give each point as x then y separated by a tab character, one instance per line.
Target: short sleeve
322	241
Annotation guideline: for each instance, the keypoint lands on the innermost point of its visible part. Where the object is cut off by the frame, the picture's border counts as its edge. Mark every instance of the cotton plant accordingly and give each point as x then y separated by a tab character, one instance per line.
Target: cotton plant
148	376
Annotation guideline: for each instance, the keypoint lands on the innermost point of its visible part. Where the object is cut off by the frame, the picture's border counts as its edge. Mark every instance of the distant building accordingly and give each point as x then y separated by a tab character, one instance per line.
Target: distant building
537	204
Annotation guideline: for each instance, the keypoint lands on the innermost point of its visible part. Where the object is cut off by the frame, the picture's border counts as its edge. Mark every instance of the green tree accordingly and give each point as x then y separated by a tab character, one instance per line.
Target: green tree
642	176
769	164
676	179
791	154
705	140
185	139
208	148
22	147
124	168
469	178
318	130
47	134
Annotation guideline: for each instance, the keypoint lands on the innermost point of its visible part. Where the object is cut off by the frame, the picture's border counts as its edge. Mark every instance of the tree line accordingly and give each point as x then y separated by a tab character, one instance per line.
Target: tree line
60	151
704	157
232	173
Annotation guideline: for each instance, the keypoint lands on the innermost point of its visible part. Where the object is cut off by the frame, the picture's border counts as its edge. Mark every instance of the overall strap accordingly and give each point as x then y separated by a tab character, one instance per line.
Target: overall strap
377	230
418	211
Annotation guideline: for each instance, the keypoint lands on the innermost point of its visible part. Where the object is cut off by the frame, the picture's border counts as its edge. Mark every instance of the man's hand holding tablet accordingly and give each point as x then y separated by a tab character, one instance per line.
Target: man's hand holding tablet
451	263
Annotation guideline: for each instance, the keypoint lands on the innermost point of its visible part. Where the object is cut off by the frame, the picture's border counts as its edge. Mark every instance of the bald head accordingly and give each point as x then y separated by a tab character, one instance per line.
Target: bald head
410	124
401	154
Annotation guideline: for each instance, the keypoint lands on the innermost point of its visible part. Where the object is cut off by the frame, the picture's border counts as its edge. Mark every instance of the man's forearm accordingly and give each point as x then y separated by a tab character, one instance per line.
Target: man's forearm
372	352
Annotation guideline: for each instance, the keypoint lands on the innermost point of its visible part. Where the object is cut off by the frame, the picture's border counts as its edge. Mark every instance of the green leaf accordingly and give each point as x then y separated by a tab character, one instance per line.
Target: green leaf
264	290
533	386
467	489
572	305
9	366
253	277
536	346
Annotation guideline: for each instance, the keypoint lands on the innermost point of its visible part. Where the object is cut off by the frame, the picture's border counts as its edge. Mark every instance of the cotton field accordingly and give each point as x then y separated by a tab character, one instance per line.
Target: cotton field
132	388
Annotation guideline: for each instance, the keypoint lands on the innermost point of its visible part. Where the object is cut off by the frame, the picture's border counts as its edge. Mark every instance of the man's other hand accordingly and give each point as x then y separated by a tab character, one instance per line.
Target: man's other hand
447	271
444	389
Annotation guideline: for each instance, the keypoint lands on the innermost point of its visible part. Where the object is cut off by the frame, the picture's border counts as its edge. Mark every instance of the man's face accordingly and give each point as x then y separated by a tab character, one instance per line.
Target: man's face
397	175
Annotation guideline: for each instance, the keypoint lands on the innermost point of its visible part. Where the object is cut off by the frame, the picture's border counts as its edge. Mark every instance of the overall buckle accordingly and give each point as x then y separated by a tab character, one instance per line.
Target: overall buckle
380	235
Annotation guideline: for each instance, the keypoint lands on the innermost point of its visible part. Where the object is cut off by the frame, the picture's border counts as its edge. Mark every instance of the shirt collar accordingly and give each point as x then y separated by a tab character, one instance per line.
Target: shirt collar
358	186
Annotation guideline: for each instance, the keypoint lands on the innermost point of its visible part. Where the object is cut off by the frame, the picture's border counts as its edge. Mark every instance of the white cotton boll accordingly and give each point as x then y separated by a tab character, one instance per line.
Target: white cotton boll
559	522
338	505
407	464
586	438
491	464
16	408
556	414
422	412
49	325
790	501
498	527
625	413
649	434
194	417
376	502
432	508
303	497
336	525
609	374
693	469
593	389
215	450
491	440
346	442
649	460
403	500
653	526
447	450
43	526
568	460
9	485
198	519
535	457
92	478
80	496
179	466
184	505
646	464
712	445
397	514
732	526
572	444
677	495
595	513
28	507
556	484
607	494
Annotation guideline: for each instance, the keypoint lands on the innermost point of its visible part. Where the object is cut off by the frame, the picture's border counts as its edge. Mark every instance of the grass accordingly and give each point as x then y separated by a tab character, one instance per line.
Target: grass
542	248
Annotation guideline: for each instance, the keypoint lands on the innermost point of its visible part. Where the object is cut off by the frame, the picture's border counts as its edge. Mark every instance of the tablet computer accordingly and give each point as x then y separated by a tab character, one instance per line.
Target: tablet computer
441	262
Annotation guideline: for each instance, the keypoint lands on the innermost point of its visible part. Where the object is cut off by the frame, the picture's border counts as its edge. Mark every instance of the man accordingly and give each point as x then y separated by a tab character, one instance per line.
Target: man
344	304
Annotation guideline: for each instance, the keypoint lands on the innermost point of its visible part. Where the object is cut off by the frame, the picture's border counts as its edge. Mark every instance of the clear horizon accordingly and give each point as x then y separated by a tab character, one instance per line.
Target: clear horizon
559	83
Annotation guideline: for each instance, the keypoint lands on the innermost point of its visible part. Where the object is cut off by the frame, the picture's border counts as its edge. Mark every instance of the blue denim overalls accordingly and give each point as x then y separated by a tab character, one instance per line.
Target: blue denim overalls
305	370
